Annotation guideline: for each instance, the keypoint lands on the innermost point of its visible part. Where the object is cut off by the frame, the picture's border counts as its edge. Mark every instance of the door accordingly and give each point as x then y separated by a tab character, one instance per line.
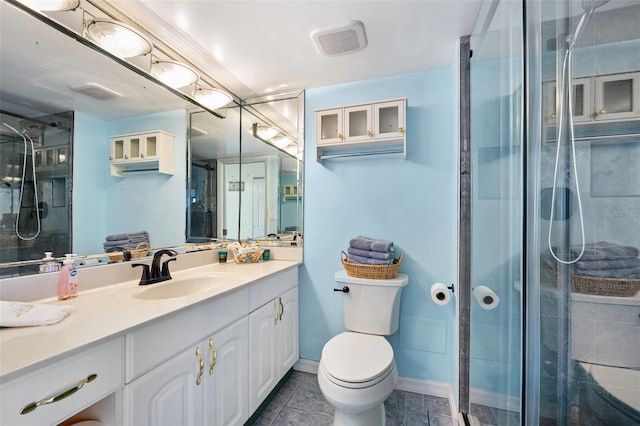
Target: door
287	332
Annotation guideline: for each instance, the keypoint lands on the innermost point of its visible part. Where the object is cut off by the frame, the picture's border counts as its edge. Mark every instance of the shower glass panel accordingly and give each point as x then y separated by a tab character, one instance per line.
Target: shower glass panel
583	277
35	187
496	216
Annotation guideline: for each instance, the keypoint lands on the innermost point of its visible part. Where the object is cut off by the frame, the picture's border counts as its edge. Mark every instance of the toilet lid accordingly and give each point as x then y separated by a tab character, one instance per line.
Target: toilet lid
357	358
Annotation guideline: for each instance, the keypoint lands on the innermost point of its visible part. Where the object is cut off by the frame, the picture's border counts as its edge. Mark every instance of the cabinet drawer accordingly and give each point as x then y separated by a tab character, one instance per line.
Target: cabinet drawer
105	361
150	345
268	288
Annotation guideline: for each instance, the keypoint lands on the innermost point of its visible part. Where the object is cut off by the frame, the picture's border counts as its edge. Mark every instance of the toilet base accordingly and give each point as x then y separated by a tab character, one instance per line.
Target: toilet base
373	417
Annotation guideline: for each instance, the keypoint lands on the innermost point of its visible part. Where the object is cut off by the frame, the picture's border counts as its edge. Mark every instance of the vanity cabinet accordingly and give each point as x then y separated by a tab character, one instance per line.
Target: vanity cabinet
380	125
605	98
64	387
273	344
141	151
205	384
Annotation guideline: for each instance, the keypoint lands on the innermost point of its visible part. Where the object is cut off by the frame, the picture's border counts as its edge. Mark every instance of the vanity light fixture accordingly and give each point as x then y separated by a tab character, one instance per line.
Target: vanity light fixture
263	132
117	38
213	98
174	74
51	5
281	141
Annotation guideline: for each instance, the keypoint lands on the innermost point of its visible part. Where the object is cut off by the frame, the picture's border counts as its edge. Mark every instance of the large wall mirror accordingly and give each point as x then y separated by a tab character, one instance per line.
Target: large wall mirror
56	191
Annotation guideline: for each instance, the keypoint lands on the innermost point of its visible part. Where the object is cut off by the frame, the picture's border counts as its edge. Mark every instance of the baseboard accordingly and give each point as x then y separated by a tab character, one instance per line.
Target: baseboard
494	399
424	387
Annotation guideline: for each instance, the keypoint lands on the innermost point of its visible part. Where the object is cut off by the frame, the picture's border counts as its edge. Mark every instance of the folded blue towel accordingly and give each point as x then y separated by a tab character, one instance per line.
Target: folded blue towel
370	244
370	254
127	242
603	250
367	260
613	273
128	236
595	265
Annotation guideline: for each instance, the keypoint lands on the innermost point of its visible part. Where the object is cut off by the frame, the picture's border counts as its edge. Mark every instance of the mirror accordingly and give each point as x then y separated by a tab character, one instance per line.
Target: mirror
254	193
44	71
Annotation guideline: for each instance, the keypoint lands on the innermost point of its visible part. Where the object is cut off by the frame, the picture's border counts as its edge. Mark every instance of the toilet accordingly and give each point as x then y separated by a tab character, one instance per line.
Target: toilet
357	371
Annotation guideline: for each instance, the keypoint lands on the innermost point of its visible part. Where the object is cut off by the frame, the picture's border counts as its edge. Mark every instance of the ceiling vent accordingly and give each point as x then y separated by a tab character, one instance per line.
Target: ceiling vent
340	40
96	91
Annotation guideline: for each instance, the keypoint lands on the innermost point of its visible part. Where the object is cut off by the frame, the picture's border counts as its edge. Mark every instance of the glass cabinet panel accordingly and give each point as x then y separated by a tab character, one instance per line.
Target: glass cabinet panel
617	96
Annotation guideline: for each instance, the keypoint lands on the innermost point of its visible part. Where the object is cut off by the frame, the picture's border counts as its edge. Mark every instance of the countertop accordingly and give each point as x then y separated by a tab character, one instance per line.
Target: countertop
109	311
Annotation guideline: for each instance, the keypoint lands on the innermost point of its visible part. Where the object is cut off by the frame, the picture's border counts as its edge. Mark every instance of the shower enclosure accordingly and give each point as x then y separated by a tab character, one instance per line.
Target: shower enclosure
35	187
555	214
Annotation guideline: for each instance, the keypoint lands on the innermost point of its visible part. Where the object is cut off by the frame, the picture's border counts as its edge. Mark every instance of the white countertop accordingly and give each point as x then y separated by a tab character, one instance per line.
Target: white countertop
109	311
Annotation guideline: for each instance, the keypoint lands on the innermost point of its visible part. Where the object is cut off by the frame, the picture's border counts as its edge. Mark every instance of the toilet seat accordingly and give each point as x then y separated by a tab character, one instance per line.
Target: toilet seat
356	360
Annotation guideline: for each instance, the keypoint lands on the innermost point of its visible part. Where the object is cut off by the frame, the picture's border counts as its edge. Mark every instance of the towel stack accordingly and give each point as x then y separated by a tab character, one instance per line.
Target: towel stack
603	259
127	241
370	251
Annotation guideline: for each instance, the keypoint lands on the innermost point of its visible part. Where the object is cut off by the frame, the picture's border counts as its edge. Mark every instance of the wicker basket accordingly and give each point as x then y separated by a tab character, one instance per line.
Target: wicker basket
377	272
600	286
141	250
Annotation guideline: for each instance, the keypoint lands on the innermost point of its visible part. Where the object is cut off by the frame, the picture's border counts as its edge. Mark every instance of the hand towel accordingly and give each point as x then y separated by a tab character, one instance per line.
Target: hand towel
19	314
371	254
367	260
603	250
370	244
594	265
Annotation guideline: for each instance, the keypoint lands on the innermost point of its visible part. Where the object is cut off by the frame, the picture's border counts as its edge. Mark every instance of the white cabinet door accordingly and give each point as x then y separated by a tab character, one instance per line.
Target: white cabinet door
357	123
617	96
262	349
287	331
582	100
389	119
226	379
329	126
167	395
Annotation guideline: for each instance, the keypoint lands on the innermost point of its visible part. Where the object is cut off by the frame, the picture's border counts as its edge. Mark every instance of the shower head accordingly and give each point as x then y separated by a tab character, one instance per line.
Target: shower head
589	5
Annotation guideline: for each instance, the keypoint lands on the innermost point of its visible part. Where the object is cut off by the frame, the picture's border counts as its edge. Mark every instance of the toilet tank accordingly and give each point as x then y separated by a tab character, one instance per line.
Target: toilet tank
372	306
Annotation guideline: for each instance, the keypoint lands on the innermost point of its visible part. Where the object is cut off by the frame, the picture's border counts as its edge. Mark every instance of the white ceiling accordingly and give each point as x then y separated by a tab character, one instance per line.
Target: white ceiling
255	48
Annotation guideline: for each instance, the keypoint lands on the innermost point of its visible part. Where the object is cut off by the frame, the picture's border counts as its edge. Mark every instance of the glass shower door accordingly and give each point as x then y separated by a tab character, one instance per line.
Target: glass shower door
496	216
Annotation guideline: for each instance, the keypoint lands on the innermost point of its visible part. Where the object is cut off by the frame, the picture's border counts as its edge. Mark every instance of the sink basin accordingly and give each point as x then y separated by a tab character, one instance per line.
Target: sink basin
182	286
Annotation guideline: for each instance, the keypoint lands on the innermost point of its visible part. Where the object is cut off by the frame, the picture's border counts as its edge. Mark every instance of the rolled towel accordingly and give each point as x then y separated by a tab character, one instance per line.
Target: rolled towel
603	250
612	273
128	236
371	254
595	265
19	314
367	260
370	244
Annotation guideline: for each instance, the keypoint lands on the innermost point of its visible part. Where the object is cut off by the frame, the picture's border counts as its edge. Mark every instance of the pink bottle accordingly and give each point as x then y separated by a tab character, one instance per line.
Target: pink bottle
68	279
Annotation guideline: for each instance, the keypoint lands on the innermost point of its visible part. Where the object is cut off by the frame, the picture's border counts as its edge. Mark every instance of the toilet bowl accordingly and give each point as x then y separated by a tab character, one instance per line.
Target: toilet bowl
357	373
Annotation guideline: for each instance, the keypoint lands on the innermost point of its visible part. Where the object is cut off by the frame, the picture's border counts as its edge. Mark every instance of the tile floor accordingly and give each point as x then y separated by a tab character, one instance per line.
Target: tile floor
300	403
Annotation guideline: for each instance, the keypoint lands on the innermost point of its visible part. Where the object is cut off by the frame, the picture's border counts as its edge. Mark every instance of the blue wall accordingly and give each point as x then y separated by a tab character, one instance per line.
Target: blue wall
411	202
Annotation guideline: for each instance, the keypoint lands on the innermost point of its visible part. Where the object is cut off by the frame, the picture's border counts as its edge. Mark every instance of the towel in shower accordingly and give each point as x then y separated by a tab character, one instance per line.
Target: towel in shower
612	273
370	244
370	254
596	265
19	314
603	250
367	260
123	243
128	236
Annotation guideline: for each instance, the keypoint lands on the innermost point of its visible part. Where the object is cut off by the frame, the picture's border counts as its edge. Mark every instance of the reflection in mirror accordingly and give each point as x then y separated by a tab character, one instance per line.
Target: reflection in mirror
255	193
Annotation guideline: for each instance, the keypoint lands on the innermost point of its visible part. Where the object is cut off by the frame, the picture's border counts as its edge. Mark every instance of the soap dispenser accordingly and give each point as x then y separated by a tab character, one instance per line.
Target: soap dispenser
49	264
68	279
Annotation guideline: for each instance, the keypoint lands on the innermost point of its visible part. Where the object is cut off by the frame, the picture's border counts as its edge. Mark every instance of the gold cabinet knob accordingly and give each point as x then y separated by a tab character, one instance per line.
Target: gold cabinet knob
553	116
602	111
368	132
126	157
142	155
339	135
401	130
110	158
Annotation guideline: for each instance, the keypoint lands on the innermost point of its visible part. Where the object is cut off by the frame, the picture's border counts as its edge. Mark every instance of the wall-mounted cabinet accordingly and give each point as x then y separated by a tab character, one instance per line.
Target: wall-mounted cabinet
142	151
605	98
291	191
373	128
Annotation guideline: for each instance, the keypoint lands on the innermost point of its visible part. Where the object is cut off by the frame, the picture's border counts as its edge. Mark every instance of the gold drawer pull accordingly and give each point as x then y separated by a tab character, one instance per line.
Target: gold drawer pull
276	312
62	395
281	308
214	356
201	363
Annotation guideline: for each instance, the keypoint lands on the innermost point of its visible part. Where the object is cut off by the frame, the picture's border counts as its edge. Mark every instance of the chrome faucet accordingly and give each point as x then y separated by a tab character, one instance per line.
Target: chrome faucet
157	274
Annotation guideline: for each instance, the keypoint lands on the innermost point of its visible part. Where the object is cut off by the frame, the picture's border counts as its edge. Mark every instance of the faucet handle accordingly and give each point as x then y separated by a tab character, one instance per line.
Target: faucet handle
165	268
145	272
